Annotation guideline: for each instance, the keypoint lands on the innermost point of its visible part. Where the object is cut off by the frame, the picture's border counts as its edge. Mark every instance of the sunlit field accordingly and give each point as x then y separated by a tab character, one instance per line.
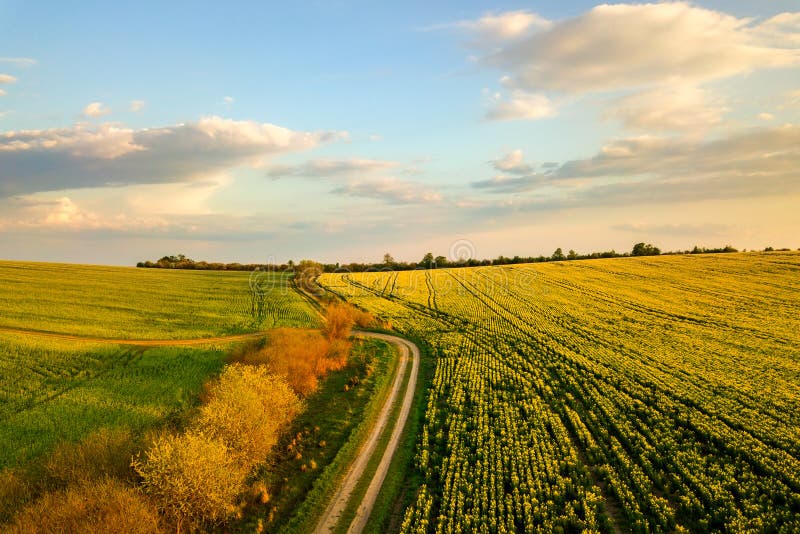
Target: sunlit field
129	303
54	390
647	394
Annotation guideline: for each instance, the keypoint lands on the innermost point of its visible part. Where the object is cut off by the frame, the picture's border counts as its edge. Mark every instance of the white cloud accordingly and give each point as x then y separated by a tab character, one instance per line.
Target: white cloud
678	107
46	213
326	168
96	109
66	212
188	198
755	156
7	78
521	105
513	163
136	105
83	156
766	116
228	100
511	184
19	61
106	142
390	190
494	27
2	92
781	29
673	229
641	170
615	47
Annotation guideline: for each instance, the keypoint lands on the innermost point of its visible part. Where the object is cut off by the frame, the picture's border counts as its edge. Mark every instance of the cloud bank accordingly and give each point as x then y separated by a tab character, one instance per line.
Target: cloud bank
113	155
665	49
754	163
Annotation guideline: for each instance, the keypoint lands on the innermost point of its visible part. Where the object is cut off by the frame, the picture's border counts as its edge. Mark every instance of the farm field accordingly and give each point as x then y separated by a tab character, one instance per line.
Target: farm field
62	391
54	390
644	394
130	303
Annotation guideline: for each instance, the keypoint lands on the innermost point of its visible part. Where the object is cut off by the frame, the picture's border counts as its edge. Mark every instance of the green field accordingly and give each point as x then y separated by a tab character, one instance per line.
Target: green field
644	394
53	389
130	303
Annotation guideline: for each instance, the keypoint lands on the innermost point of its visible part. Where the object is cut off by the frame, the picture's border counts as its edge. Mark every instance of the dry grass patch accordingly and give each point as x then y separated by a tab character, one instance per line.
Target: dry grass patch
106	505
104	453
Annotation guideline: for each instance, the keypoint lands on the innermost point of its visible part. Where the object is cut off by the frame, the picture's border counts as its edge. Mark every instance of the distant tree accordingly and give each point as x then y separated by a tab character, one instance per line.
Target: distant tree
306	273
769	249
558	255
641	249
440	261
427	261
572	255
388	260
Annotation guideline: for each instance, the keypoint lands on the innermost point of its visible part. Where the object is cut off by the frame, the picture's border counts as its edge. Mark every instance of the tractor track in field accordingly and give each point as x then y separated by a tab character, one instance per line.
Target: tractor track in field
134	342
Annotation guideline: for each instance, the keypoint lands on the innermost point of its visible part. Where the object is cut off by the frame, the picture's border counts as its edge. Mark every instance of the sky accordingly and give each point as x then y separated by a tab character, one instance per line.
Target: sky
342	130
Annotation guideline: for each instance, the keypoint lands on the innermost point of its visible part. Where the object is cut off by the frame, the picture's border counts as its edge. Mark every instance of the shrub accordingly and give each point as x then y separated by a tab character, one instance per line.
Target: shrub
299	356
363	319
339	320
105	505
106	452
337	355
246	408
192	477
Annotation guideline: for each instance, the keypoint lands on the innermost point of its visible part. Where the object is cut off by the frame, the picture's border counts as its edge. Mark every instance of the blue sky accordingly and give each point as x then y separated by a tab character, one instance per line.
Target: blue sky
343	130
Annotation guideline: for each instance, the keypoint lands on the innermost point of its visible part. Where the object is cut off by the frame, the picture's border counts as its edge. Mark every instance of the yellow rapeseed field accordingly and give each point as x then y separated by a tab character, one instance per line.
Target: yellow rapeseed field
644	394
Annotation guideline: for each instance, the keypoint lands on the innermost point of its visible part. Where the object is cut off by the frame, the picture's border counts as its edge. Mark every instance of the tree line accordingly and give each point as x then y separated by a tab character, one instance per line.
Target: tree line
428	261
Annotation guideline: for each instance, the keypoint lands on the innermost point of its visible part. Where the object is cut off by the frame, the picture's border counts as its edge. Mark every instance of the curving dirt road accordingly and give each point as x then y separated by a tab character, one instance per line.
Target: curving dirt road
341	499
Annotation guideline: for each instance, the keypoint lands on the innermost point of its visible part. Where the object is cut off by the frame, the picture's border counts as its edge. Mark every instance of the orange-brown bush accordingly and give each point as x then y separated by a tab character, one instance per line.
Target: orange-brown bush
363	319
105	452
247	406
104	505
338	352
193	478
339	320
300	356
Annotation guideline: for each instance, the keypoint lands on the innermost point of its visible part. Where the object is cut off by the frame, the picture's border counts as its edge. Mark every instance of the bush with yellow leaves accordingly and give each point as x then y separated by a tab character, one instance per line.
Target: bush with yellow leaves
193	478
246	408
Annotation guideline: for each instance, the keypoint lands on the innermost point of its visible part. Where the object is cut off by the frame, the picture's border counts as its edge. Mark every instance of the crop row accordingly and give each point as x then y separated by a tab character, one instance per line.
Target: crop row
650	395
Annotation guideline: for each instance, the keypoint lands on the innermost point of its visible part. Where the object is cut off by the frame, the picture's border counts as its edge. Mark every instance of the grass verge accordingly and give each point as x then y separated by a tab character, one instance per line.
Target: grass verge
314	455
372	465
400	487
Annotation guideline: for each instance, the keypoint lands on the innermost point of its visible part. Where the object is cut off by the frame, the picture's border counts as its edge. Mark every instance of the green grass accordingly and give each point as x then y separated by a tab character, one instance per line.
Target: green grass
400	485
63	391
130	303
339	418
360	490
53	390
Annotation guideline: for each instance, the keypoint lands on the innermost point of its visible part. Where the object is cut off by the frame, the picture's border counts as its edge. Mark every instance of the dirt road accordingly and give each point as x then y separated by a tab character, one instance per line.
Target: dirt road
343	495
